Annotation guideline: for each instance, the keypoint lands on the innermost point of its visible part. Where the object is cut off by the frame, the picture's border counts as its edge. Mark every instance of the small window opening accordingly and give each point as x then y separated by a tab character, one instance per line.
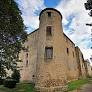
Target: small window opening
82	55
27	55
49	52
33	76
73	54
27	63
49	31
67	51
49	14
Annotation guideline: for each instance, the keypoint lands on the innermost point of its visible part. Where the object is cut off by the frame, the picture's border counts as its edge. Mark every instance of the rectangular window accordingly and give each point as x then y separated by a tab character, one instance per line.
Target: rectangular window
49	31
26	63
27	55
73	53
82	56
49	52
49	14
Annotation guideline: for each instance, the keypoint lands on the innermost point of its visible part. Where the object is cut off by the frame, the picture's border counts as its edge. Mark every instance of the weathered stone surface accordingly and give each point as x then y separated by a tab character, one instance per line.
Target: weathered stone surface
52	89
66	63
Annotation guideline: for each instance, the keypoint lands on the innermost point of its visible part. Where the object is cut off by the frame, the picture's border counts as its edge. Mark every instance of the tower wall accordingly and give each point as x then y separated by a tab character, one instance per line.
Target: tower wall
51	72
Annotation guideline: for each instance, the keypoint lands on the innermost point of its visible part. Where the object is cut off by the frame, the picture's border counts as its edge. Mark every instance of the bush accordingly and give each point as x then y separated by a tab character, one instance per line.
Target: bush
16	75
9	83
1	81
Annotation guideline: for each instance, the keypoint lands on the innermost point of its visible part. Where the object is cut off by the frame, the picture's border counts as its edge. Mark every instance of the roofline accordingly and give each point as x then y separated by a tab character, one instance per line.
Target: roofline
63	33
79	50
69	39
49	9
33	31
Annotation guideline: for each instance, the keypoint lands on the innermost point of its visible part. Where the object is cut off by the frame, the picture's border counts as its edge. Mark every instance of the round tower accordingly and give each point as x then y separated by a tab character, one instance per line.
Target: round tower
51	66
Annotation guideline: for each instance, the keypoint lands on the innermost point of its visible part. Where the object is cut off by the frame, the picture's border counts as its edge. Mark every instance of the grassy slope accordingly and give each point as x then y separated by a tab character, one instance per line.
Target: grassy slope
77	84
30	88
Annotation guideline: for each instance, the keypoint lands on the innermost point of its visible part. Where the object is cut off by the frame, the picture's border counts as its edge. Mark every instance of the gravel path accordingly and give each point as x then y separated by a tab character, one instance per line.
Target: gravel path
86	88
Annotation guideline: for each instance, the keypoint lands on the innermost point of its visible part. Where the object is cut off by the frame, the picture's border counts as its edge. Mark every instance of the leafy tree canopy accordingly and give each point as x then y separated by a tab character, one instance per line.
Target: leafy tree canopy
88	6
12	35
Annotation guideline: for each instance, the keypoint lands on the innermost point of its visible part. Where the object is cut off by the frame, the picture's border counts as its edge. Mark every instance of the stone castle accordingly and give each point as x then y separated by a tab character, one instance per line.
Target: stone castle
51	59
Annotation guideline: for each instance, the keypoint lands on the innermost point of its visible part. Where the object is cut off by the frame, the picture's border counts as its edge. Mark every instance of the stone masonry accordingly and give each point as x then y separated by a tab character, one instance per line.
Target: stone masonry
50	58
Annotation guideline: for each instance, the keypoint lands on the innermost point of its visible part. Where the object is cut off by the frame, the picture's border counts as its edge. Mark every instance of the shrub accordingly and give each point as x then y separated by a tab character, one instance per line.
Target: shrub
1	81
10	83
16	75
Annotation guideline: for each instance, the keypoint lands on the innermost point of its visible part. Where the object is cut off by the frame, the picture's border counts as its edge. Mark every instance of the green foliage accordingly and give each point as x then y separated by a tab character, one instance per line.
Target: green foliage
1	81
88	6
76	84
26	87
16	75
12	35
19	88
9	83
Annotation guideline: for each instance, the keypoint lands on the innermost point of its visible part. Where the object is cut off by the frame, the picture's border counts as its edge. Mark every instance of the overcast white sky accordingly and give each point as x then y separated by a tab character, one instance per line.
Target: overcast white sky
74	19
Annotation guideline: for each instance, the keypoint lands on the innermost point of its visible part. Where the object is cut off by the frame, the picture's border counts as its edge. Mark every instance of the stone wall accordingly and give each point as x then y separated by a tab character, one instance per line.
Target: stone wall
89	67
54	69
81	63
67	62
29	58
71	59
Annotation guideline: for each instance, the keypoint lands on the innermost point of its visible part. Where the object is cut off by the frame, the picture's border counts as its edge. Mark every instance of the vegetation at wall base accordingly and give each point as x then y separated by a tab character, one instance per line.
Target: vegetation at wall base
16	75
77	84
1	81
9	83
28	87
20	87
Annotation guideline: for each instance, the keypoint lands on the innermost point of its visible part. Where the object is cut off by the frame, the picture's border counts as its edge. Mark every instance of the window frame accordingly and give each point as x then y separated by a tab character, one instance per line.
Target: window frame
49	31
49	14
48	51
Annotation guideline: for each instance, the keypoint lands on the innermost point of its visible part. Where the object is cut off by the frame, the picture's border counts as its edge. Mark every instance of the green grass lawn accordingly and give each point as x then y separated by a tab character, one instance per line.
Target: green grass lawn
77	84
19	88
30	88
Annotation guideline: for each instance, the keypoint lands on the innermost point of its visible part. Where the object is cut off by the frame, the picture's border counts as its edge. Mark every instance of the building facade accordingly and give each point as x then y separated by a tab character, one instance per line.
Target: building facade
50	58
88	68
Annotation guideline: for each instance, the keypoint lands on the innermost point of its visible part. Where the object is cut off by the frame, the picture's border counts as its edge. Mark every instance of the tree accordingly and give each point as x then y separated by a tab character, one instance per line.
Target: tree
88	6
12	35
